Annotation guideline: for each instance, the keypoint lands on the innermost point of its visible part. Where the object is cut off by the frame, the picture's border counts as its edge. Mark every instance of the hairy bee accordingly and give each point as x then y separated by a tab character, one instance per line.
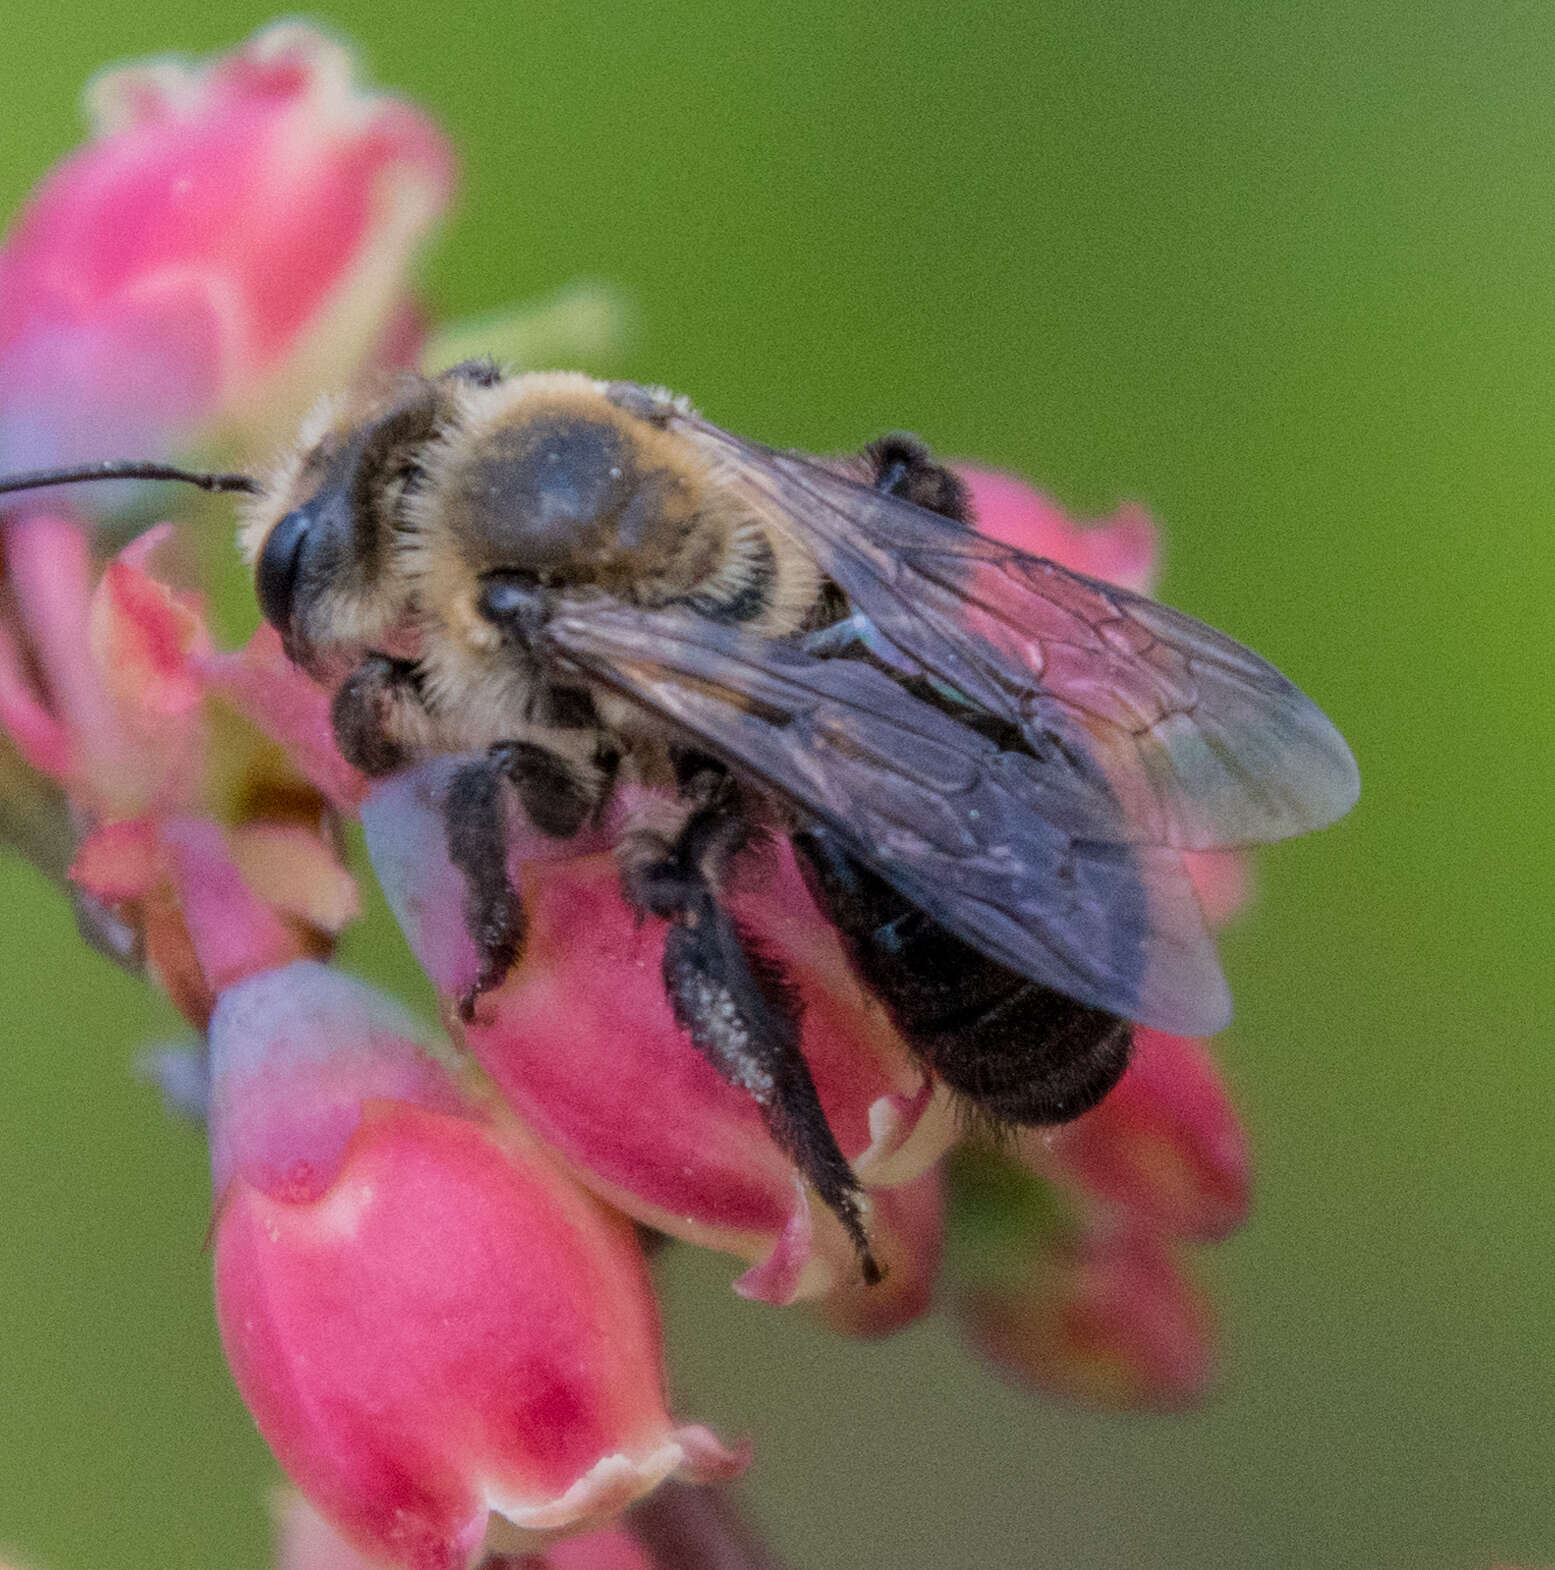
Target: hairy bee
988	766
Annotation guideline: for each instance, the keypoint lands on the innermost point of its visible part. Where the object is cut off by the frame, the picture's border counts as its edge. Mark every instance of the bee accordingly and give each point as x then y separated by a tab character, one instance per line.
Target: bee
988	766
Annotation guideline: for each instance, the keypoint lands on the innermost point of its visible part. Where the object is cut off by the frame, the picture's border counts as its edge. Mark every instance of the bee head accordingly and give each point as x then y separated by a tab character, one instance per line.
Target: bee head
324	529
391	526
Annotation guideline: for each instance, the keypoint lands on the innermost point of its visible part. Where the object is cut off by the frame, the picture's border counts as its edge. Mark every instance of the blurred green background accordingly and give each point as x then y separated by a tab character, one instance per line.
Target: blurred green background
1284	272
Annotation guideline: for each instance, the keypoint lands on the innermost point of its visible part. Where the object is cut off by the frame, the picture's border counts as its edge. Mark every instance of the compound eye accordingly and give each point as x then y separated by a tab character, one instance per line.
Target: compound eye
275	579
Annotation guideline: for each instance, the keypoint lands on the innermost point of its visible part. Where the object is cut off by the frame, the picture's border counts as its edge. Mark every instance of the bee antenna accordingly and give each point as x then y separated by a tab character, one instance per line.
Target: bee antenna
126	469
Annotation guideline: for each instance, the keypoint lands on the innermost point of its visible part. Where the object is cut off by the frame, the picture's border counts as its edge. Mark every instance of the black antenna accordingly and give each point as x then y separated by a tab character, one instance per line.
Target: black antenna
126	469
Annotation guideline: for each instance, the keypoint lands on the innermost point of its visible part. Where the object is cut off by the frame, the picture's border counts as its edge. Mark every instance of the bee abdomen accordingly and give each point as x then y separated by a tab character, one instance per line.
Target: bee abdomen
1017	1050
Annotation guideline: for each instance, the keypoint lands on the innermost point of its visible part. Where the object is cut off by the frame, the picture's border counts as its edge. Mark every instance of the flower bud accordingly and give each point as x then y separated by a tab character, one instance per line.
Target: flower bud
449	1346
1093	1309
232	239
120	696
1165	1145
1123	550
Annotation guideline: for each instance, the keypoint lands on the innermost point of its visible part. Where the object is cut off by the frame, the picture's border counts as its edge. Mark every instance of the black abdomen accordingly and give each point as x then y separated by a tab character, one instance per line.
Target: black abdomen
1020	1051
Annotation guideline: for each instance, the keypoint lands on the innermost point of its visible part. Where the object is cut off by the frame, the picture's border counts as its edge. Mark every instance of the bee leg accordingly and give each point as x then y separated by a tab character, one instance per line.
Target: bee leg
475	825
733	999
902	466
475	822
370	713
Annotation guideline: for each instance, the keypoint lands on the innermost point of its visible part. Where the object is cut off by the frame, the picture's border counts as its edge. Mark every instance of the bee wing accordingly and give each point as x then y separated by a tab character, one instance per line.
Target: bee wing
993	845
1203	743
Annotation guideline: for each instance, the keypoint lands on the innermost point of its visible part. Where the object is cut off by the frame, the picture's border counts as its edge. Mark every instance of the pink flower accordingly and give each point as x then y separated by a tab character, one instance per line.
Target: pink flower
1106	1319
110	699
306	1541
1069	1273
231	241
582	1042
115	716
102	683
1067	1269
1123	550
1095	1309
1165	1146
430	1293
446	1343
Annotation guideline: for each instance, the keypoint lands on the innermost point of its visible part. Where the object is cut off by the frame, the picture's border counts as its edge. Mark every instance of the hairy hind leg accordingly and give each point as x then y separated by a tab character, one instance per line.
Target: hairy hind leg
732	998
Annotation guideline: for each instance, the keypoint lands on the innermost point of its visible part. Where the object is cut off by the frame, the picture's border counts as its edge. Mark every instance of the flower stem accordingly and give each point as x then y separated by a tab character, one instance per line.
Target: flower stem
690	1527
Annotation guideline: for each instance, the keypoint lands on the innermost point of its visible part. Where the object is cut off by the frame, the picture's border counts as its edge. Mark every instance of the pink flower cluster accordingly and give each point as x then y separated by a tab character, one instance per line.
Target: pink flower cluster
428	1284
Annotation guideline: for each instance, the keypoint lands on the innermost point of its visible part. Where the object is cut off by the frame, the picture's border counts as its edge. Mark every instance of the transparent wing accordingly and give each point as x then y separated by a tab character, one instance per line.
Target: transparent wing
1015	856
1203	743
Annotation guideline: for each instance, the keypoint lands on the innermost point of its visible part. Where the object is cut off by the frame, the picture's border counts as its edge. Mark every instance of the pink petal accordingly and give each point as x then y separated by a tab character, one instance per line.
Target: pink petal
234	933
119	861
1122	550
49	566
269	691
296	1055
906	1228
610	1549
146	636
1106	1318
1165	1145
137	375
306	1541
294	870
115	719
44	743
582	1042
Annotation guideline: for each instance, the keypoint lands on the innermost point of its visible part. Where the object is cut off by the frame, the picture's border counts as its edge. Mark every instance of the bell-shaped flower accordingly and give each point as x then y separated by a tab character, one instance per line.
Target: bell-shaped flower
1093	1308
1165	1145
450	1347
582	1042
1065	1261
231	241
306	1541
1066	1258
